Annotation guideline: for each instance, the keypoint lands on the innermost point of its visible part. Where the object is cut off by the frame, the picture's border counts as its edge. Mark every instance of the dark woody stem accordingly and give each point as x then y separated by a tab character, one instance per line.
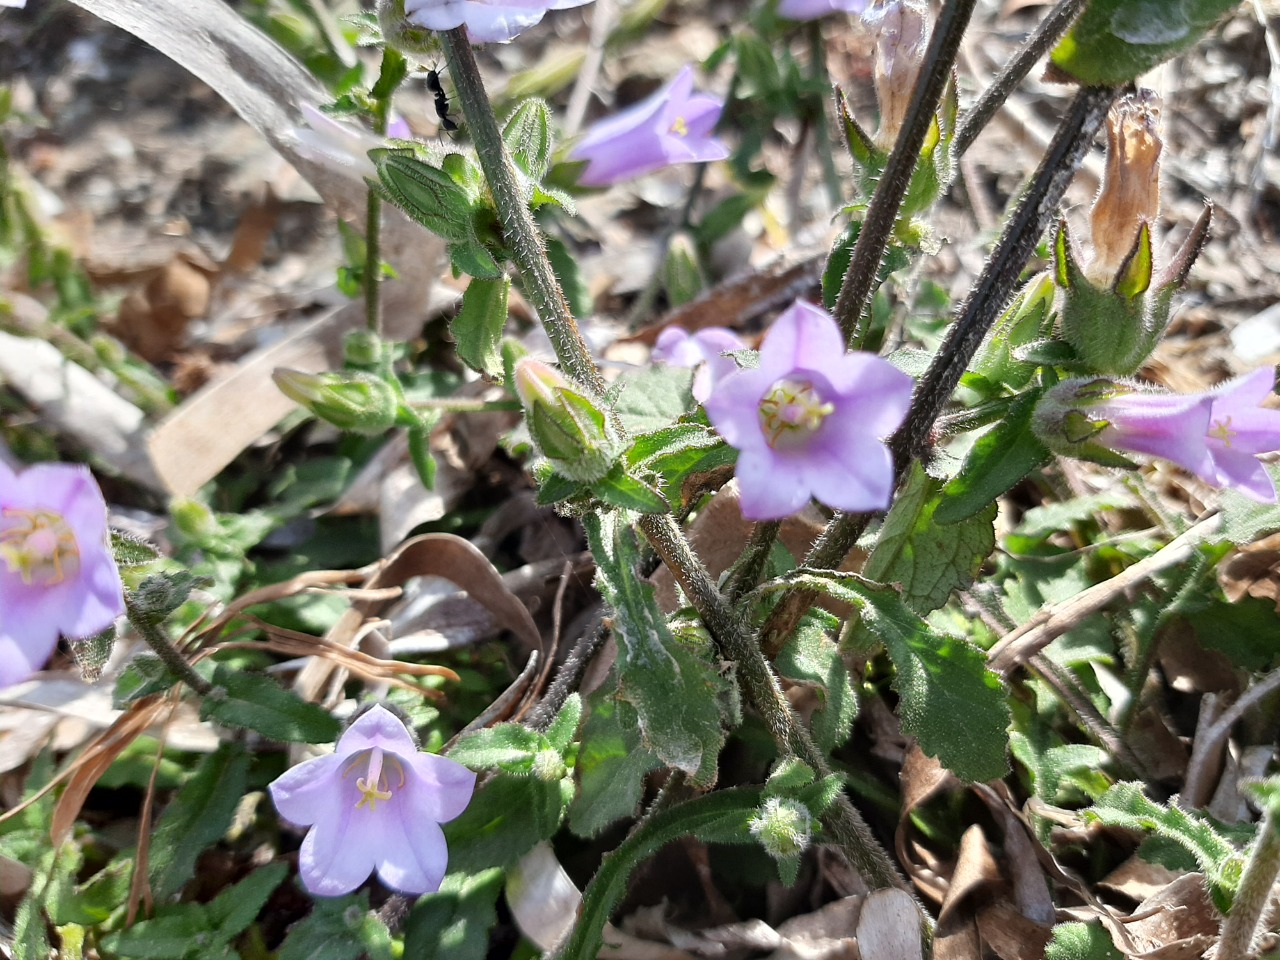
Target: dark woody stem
1046	36
988	298
178	665
882	212
520	232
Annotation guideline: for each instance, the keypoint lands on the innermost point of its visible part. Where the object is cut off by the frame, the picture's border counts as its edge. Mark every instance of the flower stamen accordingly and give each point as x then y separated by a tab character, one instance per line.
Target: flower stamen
374	786
39	546
679	127
1222	431
792	409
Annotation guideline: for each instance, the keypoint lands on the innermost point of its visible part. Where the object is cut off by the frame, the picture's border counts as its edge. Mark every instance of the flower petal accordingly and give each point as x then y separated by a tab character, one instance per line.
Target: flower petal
855	475
302	794
336	854
770	490
416	863
377	727
802	337
442	788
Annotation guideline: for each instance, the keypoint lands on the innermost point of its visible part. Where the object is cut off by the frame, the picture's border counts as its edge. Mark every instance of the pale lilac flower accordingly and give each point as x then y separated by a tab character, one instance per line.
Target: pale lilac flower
705	350
57	575
334	143
487	21
1216	435
808	421
673	125
375	803
813	9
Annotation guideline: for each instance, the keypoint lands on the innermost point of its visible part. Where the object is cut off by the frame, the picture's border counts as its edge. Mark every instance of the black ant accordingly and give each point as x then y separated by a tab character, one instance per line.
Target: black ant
447	123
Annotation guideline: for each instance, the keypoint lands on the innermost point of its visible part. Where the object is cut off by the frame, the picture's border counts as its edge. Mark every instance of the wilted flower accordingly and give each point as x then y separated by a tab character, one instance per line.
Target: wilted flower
375	803
705	349
901	32
813	9
1130	193
57	575
809	420
673	125
1215	435
487	21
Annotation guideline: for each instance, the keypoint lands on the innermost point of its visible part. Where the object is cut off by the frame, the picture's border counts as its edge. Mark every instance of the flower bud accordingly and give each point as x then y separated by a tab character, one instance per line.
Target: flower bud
357	402
1130	193
548	766
783	826
901	32
565	426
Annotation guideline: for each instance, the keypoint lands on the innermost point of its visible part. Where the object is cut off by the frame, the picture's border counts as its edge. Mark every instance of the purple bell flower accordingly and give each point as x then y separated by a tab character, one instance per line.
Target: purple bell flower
487	21
673	125
375	803
813	9
808	421
57	575
705	350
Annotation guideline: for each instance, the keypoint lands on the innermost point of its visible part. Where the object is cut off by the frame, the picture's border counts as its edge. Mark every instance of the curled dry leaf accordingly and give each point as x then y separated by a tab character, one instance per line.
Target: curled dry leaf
1253	571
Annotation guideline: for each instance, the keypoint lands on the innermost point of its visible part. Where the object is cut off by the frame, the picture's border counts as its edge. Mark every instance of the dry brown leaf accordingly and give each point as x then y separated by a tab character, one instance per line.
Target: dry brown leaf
1177	922
921	777
889	927
1138	879
153	319
1010	935
976	870
1254	570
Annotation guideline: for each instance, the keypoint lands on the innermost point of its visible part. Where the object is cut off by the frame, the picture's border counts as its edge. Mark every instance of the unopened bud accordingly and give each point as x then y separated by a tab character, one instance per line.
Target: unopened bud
682	277
783	827
1130	193
357	402
566	427
548	766
901	32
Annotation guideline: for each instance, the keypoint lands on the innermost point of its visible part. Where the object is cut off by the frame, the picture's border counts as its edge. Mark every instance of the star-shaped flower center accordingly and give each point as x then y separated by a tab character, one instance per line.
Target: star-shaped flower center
39	546
1221	430
679	127
374	786
791	411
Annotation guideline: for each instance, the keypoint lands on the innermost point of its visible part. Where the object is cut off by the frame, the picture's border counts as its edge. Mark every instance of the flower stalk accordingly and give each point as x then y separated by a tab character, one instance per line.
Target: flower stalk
1242	925
522	234
163	648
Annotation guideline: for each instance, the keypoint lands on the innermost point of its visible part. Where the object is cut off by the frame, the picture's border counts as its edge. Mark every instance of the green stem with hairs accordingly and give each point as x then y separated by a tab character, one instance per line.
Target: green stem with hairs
154	637
519	230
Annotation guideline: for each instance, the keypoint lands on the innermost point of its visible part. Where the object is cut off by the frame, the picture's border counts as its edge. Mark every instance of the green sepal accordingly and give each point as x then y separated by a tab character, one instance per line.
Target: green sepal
527	134
420	455
474	260
1134	276
619	489
867	157
130	551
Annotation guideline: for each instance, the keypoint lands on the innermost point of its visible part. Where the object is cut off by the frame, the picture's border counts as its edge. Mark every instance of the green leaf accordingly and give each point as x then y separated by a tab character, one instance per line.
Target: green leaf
1000	458
198	816
338	928
254	701
391	74
509	747
721	816
554	487
477	329
619	489
454	923
1081	941
130	551
505	818
576	290
950	702
811	657
611	766
174	933
1125	805
929	559
236	907
653	397
1245	632
92	653
144	675
528	136
674	692
1115	42
1244	519
426	193
474	260
560	732
678	452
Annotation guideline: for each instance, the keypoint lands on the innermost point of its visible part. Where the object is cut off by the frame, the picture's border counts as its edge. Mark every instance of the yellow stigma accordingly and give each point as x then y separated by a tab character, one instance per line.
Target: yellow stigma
39	546
374	787
679	127
1222	431
792	409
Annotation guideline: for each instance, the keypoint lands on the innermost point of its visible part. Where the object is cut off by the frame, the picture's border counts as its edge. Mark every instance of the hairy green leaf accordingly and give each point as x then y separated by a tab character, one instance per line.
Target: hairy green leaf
454	923
254	701
611	766
477	329
1081	941
338	928
811	657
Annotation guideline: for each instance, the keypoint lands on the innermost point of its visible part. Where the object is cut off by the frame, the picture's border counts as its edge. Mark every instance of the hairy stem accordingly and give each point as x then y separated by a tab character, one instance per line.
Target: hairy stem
849	832
164	649
987	299
521	233
373	233
882	212
1241	927
1046	36
746	572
